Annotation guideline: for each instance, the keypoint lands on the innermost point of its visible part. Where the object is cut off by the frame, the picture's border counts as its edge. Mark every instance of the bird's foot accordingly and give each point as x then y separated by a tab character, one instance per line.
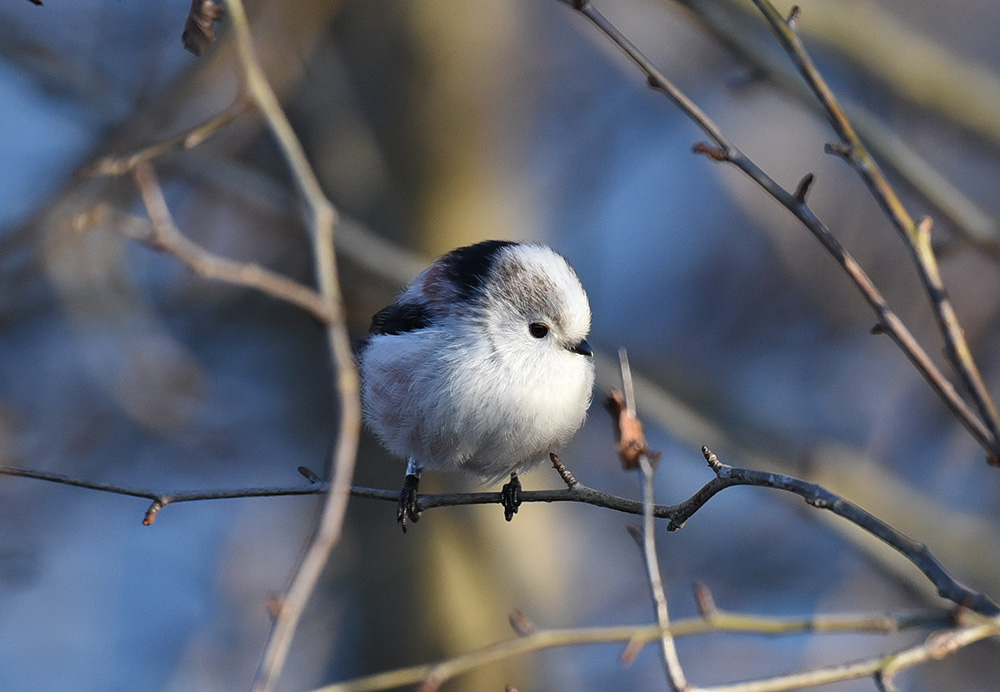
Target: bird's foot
510	497
409	508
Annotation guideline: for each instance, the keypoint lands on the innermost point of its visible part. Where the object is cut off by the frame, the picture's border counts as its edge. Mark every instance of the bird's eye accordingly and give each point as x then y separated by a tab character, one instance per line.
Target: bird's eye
538	329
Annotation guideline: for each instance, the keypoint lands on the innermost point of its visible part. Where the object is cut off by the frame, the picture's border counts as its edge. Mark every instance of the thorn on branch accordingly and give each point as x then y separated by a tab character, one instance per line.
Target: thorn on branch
273	605
924	229
878	328
793	17
844	151
704	600
992	460
803	187
631	652
310	475
563	472
151	513
714	153
521	623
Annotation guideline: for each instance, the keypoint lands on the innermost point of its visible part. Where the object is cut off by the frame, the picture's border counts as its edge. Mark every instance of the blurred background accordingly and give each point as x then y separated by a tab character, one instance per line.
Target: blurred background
434	124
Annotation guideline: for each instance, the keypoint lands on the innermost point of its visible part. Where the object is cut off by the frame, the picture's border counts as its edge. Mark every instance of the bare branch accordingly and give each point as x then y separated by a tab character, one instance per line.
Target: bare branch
724	150
956	347
166	237
726	477
322	218
635	453
119	165
638	636
732	22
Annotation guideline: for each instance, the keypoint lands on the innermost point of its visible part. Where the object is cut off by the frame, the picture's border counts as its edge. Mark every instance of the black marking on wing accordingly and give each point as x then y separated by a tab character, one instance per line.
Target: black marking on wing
400	318
469	266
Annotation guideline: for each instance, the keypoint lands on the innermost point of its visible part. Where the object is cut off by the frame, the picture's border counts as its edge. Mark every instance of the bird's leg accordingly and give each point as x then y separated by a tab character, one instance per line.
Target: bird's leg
409	508
510	497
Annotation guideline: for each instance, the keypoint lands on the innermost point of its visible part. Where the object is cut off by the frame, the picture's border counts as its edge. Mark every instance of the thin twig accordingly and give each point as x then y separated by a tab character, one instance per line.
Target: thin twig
726	477
917	235
724	150
166	237
668	650
321	221
639	635
114	165
821	498
734	24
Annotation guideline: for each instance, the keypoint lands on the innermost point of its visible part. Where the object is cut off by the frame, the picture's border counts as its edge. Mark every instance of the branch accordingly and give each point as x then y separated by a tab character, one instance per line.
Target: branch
631	438
114	165
726	477
432	675
321	220
733	23
916	235
724	150
165	237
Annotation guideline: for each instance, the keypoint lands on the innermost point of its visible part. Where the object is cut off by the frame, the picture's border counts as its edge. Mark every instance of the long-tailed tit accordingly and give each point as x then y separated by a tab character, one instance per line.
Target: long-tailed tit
481	365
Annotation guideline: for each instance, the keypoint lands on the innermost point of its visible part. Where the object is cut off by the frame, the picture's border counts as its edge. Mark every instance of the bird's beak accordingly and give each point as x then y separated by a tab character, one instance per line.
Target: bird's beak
582	347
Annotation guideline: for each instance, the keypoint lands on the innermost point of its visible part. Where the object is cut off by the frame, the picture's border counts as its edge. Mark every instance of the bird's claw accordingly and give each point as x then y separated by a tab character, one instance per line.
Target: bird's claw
510	497
409	507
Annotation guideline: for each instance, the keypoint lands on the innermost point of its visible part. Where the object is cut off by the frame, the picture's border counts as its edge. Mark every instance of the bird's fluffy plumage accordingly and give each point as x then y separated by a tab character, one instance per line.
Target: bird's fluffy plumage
454	375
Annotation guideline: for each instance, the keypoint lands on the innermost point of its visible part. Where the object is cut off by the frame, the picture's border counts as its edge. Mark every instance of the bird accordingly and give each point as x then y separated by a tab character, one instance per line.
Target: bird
480	365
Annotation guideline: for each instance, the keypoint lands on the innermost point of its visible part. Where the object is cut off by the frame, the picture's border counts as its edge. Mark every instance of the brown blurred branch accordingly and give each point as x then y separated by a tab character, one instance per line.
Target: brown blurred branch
321	219
432	675
164	236
723	149
114	165
916	235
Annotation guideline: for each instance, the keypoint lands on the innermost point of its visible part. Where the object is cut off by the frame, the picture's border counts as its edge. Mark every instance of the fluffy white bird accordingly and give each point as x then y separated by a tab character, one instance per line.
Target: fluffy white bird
481	365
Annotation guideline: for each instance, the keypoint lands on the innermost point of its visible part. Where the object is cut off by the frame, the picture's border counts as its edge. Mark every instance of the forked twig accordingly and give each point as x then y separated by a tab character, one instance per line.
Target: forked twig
119	165
726	477
724	150
916	235
637	637
165	236
321	217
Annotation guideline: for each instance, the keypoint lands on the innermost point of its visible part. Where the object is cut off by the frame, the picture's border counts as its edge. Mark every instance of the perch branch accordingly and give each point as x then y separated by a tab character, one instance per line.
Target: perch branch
321	219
